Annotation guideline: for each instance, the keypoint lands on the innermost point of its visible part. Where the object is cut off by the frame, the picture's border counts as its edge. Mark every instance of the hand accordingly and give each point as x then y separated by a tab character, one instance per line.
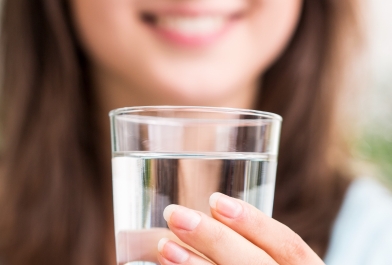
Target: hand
238	234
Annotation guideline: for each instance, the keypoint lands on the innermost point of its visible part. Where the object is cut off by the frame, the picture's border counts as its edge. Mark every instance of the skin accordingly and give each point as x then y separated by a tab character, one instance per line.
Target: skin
258	238
130	63
132	66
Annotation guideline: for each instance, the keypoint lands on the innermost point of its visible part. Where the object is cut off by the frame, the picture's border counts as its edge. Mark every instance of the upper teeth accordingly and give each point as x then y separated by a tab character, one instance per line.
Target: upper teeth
192	25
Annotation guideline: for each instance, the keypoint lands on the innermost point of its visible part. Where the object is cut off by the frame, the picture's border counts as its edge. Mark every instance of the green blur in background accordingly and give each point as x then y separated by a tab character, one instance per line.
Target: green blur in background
376	148
375	142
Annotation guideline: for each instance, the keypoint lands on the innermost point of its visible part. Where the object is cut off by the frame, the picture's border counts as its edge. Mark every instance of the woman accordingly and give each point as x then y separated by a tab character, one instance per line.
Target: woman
67	63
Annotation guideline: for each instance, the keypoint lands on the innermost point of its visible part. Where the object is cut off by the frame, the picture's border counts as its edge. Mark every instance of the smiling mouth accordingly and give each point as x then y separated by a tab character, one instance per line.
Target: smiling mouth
190	29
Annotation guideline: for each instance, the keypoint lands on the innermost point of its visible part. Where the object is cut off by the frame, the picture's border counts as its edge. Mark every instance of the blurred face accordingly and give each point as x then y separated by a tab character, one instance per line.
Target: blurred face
197	52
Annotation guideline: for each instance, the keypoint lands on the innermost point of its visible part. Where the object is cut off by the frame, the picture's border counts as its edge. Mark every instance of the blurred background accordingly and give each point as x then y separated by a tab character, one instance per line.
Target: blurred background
374	144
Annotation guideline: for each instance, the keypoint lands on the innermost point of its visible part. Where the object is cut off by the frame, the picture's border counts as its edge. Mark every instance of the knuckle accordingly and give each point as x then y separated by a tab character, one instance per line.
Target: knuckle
268	262
257	221
261	261
256	261
295	248
218	236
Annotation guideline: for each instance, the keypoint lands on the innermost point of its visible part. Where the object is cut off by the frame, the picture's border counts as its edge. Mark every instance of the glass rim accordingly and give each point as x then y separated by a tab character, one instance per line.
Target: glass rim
224	110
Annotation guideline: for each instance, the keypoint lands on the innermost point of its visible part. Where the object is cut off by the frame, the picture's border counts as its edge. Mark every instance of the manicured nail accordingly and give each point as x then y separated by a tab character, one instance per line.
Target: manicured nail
172	252
225	205
169	211
181	217
162	243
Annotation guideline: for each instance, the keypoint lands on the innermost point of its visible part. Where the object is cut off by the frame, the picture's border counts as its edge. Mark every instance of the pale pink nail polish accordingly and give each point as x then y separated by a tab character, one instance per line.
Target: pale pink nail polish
172	252
181	217
225	205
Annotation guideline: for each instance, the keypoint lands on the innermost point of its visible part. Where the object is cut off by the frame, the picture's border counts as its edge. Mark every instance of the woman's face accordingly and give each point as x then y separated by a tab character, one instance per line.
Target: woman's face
184	51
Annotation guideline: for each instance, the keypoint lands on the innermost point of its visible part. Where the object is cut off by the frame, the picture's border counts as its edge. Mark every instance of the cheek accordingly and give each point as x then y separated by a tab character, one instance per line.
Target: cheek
271	25
106	29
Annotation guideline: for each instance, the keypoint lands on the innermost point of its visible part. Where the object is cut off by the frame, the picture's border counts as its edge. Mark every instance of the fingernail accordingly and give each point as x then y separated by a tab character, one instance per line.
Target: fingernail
162	243
181	217
169	211
172	252
225	205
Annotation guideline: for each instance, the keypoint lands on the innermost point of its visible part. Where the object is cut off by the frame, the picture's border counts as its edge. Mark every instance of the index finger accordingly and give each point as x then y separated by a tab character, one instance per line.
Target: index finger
279	241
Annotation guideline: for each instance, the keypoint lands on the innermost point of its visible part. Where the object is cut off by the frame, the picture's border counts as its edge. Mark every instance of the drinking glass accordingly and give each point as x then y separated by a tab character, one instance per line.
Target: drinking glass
166	155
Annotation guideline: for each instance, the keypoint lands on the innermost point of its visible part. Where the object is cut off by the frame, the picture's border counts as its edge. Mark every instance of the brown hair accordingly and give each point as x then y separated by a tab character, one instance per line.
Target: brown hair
55	192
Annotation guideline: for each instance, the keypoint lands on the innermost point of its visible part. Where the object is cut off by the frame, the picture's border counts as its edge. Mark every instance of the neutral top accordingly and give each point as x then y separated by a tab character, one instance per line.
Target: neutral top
362	233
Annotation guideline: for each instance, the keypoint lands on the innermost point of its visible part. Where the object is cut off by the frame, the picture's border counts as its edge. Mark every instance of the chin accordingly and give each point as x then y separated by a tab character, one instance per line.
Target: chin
195	91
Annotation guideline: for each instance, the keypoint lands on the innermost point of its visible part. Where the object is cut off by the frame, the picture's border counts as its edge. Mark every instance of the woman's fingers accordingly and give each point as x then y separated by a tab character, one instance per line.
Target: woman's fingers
170	253
216	241
241	234
280	242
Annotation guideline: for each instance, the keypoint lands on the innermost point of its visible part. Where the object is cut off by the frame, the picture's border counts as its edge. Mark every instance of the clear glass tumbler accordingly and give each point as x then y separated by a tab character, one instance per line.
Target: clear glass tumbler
181	155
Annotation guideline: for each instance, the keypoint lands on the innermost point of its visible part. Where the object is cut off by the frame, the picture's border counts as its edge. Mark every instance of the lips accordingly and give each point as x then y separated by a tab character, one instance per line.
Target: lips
189	28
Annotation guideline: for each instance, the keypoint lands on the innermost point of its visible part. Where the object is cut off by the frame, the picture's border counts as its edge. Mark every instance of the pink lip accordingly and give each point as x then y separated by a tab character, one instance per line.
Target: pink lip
188	8
181	39
193	41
